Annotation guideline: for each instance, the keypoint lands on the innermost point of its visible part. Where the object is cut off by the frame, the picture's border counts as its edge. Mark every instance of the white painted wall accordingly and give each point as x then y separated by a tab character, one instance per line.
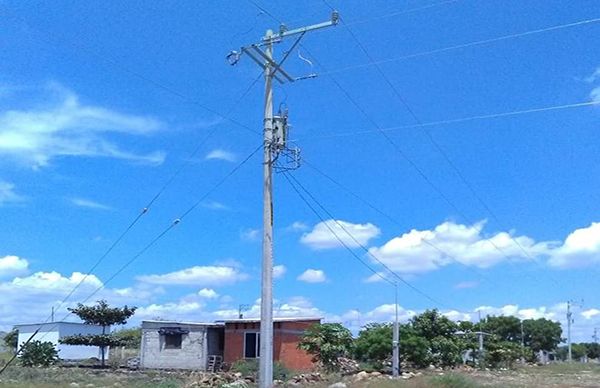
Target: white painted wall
52	332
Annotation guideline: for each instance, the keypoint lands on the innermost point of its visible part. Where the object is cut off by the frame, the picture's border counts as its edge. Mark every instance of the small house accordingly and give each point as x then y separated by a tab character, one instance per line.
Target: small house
242	341
54	331
181	345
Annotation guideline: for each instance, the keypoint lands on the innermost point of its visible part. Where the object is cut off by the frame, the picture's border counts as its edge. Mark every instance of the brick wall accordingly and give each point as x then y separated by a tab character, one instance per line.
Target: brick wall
286	336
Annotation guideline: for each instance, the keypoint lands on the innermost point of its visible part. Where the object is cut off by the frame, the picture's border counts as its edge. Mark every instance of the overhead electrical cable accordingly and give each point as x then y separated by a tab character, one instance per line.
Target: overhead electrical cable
409	160
394	220
466	45
437	146
291	178
461	120
154	240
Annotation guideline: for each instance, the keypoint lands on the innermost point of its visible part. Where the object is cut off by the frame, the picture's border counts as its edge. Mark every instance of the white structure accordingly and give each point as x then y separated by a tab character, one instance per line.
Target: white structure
180	345
53	331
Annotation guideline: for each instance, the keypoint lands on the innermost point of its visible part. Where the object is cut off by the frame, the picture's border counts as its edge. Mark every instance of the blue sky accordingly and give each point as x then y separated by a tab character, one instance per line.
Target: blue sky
100	104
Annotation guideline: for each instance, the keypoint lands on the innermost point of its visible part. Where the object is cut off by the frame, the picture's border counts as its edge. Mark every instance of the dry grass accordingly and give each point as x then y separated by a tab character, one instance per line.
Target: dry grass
558	375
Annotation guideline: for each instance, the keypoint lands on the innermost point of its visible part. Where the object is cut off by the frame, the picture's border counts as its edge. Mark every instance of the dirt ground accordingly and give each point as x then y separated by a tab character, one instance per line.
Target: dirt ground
558	375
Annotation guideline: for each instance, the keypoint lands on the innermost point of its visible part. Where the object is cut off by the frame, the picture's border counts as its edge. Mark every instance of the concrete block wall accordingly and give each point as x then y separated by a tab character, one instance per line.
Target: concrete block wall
192	354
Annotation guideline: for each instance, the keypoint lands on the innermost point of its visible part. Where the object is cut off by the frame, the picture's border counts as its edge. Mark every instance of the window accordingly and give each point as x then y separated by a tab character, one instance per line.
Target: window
173	341
172	336
251	345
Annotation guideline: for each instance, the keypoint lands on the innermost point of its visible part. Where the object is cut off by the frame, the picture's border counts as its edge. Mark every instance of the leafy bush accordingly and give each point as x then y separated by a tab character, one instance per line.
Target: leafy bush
374	344
37	353
501	354
10	339
326	342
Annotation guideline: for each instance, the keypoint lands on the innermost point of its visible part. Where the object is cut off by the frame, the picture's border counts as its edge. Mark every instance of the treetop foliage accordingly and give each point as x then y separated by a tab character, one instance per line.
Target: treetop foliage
103	315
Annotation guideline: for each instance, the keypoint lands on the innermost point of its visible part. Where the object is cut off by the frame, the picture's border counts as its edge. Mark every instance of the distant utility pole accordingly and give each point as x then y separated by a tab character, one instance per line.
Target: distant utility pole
480	335
569	318
396	338
569	322
275	133
595	336
522	344
241	309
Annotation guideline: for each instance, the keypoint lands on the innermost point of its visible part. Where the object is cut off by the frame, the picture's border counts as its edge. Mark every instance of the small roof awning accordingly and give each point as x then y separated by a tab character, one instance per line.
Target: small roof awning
172	330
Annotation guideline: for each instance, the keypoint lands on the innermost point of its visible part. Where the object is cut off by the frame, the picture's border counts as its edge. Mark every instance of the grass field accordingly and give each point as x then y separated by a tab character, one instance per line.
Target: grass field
557	375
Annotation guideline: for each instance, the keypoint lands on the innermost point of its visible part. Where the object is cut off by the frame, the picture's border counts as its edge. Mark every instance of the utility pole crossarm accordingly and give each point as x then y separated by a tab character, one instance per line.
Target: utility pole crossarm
283	33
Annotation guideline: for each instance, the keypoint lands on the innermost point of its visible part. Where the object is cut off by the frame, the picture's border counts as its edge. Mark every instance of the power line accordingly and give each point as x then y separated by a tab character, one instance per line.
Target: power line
146	208
435	144
463	119
416	167
159	236
393	220
396	13
337	237
392	272
466	45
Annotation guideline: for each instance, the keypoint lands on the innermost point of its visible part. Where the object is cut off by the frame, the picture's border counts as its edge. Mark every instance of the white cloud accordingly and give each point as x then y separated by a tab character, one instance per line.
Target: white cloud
67	127
594	77
595	94
198	275
297	226
89	204
208	293
427	250
7	193
250	234
182	310
215	205
220	154
41	291
591	313
466	284
12	266
321	236
312	276
279	271
580	248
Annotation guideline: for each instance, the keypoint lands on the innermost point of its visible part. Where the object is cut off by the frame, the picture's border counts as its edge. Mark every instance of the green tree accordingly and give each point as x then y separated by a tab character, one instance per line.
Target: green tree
103	315
11	340
414	349
37	353
374	343
431	324
542	334
131	337
593	350
499	353
326	342
506	328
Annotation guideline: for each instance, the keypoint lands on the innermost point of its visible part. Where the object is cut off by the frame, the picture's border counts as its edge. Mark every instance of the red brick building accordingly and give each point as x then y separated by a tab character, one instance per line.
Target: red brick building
242	341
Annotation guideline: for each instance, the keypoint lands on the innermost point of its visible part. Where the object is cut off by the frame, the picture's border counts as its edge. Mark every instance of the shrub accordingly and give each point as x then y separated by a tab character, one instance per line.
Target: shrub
37	353
326	342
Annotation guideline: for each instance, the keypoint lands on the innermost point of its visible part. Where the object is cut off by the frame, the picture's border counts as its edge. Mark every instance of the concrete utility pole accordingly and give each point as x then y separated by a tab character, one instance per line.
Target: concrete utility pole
595	336
522	344
569	322
569	318
275	133
396	339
